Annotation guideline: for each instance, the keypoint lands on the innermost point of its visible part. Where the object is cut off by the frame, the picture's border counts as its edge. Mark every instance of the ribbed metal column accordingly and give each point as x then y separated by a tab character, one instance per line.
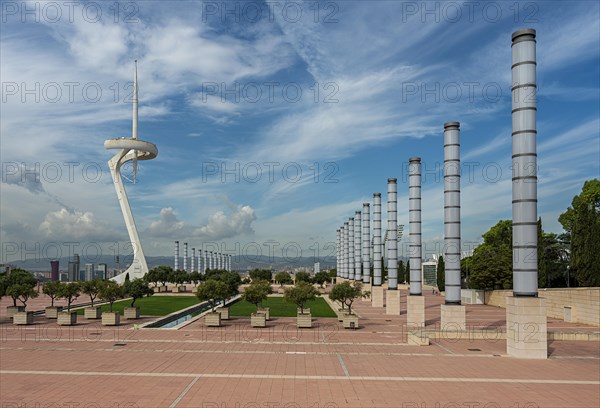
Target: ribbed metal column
337	252
185	256
176	263
346	237
452	212
392	235
205	262
357	246
414	218
210	260
377	267
366	242
351	248
200	264
524	161
193	260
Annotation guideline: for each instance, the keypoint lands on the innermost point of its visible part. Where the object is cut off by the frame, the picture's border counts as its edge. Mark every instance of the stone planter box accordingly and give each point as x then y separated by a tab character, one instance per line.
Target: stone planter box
179	289
163	289
23	318
224	312
350	321
132	313
258	320
92	312
281	291
304	320
67	318
306	310
157	289
265	311
212	319
340	314
111	319
52	312
12	310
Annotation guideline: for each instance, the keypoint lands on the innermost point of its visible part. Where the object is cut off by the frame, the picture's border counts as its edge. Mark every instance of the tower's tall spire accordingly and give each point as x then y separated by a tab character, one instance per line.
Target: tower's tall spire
135	104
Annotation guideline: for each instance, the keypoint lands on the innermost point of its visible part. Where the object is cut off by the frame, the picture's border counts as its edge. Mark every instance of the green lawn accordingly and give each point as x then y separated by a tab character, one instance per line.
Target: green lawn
154	305
280	308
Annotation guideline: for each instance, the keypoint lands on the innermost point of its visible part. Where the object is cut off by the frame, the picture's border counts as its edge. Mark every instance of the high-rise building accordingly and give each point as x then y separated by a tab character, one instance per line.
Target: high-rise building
54	272
102	271
73	270
89	272
317	268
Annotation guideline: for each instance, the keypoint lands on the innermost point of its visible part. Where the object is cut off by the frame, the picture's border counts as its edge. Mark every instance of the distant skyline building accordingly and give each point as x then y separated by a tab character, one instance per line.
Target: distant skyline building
73	269
317	268
102	271
54	270
89	271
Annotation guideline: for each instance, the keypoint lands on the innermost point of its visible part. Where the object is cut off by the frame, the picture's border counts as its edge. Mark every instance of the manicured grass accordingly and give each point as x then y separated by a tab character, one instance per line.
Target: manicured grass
153	305
278	307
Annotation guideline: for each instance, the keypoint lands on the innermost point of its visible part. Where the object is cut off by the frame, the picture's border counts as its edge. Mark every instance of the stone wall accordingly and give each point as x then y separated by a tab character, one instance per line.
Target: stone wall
583	304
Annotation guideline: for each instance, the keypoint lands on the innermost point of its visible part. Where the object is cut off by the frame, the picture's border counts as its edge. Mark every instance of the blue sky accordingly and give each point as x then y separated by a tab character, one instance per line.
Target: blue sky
388	75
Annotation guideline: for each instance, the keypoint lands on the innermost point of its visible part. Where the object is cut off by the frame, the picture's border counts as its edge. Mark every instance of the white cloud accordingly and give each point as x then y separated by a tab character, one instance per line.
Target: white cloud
167	226
76	225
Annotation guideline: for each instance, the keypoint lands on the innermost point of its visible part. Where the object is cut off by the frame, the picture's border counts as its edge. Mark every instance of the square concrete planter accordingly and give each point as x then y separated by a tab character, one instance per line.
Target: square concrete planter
66	318
281	291
340	314
23	318
53	311
212	319
111	319
179	289
132	313
304	320
224	312
350	321
265	311
12	310
163	289
157	289
306	310
258	320
92	312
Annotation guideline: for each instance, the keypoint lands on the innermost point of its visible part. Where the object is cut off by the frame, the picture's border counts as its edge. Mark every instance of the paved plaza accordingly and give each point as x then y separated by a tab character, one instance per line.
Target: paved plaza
89	365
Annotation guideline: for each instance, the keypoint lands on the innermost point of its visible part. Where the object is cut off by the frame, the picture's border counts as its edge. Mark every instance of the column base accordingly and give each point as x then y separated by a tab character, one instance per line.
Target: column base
415	310
377	296
526	327
392	302
453	318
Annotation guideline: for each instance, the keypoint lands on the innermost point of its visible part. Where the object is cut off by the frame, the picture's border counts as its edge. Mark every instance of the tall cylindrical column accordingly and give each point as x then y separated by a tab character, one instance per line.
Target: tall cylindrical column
414	218
346	249
357	246
176	263
524	162
210	260
452	212
392	235
193	260
200	266
351	248
338	252
366	242
185	256
230	259
377	267
204	262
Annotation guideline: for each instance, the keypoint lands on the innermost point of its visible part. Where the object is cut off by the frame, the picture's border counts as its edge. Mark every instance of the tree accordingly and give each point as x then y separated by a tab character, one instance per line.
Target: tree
257	292
346	293
212	291
582	222
69	291
163	274
136	289
441	275
492	260
401	271
195	277
407	272
154	275
91	288
179	277
300	294
2	285
20	285
303	277
320	278
283	278
260	274
110	292
51	289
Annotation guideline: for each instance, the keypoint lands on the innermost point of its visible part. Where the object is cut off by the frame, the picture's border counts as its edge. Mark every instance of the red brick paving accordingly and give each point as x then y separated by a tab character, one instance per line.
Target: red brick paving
326	366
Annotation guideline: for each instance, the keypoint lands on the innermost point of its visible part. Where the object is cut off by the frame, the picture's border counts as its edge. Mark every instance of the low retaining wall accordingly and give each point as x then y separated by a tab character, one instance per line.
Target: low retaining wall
578	305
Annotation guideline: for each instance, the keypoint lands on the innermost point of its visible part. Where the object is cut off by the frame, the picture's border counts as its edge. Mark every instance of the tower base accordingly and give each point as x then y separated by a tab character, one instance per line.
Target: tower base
415	310
392	302
453	318
377	296
526	327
